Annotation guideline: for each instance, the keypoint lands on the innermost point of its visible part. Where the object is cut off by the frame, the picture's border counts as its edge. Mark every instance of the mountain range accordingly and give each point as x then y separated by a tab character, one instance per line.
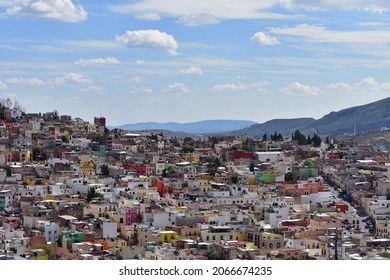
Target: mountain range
369	117
208	126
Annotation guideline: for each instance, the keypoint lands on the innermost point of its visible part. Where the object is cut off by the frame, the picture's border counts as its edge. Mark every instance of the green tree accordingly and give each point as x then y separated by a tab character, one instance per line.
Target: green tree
105	170
288	193
234	178
187	148
214	255
309	163
252	167
289	177
188	140
36	151
234	148
308	140
299	137
342	145
246	147
65	138
47	248
316	140
264	137
8	170
91	194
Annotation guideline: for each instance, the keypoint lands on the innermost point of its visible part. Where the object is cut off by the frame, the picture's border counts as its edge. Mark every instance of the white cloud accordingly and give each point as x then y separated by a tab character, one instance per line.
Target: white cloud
340	86
369	83
72	78
94	89
177	88
27	81
140	61
6	3
193	70
298	88
321	34
62	10
260	86
198	19
75	99
148	17
148	39
263	39
91	44
136	79
374	6
230	87
371	24
198	12
143	90
3	86
94	61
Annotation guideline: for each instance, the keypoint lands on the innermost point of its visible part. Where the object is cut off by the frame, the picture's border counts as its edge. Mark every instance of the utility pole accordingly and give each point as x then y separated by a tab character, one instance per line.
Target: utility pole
338	240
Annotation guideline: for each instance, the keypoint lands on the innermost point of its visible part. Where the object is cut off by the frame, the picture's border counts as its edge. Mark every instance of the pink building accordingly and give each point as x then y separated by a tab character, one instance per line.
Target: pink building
303	189
11	223
131	216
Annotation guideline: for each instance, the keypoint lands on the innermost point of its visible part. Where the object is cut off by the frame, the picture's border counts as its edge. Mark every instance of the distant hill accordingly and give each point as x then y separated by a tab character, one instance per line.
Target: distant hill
369	117
208	126
284	126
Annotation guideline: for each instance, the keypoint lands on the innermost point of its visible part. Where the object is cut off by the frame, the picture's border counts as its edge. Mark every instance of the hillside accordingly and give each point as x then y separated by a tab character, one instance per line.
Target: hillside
285	126
369	117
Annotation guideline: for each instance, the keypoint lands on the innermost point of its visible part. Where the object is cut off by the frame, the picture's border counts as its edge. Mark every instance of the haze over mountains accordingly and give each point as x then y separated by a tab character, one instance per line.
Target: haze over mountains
369	117
208	126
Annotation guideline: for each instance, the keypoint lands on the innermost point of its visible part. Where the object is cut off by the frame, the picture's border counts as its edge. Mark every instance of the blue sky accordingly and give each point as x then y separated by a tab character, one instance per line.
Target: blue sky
190	60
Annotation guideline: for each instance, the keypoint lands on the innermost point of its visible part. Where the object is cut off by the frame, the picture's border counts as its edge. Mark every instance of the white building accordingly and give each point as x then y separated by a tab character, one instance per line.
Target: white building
50	230
270	156
110	229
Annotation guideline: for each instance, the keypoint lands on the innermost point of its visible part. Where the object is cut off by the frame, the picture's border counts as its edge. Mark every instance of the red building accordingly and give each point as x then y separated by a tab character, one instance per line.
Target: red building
162	188
140	169
342	207
244	154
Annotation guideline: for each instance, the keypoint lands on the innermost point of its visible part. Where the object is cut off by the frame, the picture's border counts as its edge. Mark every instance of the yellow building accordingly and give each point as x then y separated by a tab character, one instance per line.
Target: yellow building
88	167
38	254
242	236
147	180
31	181
251	181
191	157
25	156
167	236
